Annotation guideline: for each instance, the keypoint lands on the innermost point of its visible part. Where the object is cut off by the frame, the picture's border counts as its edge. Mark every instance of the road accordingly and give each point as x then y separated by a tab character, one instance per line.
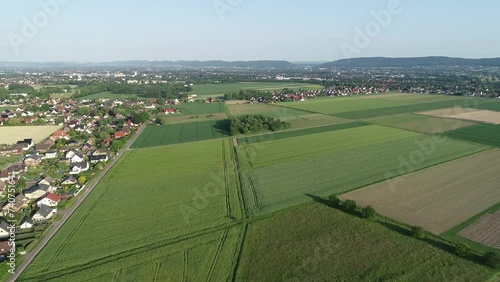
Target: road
28	258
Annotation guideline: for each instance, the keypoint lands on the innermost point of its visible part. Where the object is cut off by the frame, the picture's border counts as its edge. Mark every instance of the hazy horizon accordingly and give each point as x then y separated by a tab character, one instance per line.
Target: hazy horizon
204	30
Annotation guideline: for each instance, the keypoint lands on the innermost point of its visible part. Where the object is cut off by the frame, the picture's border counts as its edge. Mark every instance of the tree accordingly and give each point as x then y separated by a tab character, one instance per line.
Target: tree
418	232
82	179
116	145
159	121
350	205
141	117
334	201
462	250
492	259
369	212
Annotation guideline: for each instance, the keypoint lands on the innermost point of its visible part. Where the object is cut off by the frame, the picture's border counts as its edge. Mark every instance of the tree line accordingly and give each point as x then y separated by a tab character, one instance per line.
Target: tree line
256	123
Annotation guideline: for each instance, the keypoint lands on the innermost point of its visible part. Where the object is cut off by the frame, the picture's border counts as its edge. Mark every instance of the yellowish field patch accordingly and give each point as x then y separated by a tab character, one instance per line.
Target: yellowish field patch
12	134
440	197
176	118
313	120
467	114
247	109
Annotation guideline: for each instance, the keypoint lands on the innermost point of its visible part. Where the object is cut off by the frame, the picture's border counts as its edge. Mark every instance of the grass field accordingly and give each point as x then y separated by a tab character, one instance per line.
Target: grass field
206	90
202	109
109	95
12	134
160	214
440	197
155	135
494	106
6	161
420	123
279	174
180	118
487	134
317	243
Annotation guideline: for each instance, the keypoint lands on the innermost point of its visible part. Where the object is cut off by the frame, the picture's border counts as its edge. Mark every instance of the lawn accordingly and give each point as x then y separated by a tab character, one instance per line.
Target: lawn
6	161
420	123
440	197
278	174
166	209
206	90
487	134
12	134
317	243
109	95
155	135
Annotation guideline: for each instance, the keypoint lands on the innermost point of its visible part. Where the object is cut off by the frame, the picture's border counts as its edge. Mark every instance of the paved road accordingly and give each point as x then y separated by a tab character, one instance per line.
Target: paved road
57	225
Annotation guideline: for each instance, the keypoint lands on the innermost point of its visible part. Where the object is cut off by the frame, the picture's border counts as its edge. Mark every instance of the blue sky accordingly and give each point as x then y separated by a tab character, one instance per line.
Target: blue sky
314	30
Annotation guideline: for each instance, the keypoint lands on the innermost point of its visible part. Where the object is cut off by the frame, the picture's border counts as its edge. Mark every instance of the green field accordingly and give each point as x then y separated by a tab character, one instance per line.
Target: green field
316	243
420	123
162	213
109	95
6	161
206	90
487	134
201	109
155	135
492	106
278	174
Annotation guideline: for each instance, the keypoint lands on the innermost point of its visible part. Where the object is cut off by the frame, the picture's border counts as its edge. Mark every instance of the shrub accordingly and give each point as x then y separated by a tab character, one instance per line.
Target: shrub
462	250
418	232
492	259
334	201
369	212
350	205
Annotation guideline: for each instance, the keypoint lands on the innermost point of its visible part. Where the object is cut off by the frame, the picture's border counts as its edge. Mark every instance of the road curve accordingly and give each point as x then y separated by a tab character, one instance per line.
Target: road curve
28	258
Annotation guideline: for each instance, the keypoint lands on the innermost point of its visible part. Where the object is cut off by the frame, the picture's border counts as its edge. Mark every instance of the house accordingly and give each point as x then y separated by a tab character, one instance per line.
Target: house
20	203
2	184
74	157
4	229
47	181
51	200
50	155
99	159
79	168
36	192
5	249
44	213
26	144
42	148
32	160
69	180
60	134
168	111
26	223
119	134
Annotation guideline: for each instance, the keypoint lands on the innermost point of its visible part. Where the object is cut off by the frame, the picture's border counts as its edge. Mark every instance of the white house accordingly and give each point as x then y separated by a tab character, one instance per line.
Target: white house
26	223
44	213
79	168
50	155
51	200
4	229
74	156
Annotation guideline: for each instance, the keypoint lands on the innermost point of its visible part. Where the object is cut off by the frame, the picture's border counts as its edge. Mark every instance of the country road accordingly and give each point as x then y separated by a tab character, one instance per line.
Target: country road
28	258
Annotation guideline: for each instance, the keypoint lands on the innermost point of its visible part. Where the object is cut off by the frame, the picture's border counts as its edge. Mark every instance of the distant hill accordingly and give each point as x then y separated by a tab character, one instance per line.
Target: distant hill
375	62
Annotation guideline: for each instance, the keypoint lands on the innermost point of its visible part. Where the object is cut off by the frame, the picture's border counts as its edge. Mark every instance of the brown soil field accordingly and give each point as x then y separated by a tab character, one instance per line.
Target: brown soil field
486	230
440	197
247	108
11	134
466	114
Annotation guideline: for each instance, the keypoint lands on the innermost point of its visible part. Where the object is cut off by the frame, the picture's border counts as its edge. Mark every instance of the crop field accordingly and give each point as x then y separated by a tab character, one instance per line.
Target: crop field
487	134
265	110
206	90
278	174
109	95
155	135
493	106
485	231
202	109
420	123
461	113
183	217
317	243
440	197
12	134
180	118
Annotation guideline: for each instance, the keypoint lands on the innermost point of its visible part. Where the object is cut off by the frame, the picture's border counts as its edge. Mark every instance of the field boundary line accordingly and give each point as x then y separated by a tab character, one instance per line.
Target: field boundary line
185	264
157	270
222	240
226	184
239	252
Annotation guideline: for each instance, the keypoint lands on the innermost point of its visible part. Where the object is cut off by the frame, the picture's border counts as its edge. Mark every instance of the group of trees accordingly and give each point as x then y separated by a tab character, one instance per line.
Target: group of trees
248	95
255	123
157	91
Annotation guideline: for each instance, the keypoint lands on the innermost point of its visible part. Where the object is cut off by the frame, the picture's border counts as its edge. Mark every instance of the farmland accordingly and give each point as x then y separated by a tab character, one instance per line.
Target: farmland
484	116
12	134
180	118
485	231
487	134
279	174
206	90
184	218
317	243
155	135
420	123
201	109
438	203
109	95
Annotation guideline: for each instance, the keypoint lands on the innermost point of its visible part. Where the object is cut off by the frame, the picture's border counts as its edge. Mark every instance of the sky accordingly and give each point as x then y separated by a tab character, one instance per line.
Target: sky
313	30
